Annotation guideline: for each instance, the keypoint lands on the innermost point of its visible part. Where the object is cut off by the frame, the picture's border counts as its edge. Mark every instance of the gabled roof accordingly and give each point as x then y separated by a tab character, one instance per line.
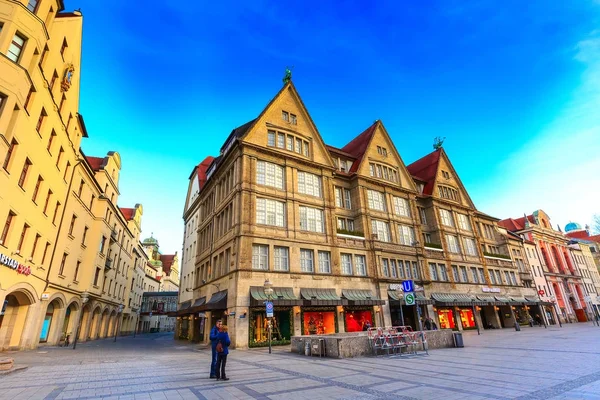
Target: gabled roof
237	133
584	235
516	224
201	170
167	262
425	169
340	152
358	146
96	163
128	213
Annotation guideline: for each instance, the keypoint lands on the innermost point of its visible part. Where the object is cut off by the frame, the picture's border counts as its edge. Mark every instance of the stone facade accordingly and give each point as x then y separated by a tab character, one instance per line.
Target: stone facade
334	230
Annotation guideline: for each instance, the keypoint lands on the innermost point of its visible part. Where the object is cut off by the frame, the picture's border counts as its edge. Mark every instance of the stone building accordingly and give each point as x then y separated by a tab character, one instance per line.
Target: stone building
335	231
66	248
564	279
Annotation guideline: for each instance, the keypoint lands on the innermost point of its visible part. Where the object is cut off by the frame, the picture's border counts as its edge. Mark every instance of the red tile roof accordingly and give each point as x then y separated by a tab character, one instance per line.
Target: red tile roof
167	262
425	169
128	213
202	168
339	151
516	224
584	235
358	146
95	162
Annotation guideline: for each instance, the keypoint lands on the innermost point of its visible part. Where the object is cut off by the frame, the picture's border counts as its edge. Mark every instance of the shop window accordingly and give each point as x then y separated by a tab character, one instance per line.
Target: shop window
319	322
282	327
446	317
466	318
356	321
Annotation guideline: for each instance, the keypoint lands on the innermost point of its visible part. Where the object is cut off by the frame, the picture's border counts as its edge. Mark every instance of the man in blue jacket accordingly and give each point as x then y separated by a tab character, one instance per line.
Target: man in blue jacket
214	339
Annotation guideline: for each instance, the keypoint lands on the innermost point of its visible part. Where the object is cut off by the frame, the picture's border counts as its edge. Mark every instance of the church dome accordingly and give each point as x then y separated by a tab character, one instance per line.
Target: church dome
572	226
150	241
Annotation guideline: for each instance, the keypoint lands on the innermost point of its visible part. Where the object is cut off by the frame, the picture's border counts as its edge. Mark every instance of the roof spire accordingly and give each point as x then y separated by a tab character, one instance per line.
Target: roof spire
438	142
288	74
526	221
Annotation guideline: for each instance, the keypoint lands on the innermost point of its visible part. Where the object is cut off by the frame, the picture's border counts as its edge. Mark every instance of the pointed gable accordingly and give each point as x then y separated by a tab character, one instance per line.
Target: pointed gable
440	177
287	119
358	146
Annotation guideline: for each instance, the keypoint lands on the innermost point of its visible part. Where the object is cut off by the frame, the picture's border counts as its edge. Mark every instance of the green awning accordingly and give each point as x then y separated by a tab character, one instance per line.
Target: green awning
321	297
517	300
454	299
463	299
282	296
502	299
420	299
532	300
488	299
361	297
443	298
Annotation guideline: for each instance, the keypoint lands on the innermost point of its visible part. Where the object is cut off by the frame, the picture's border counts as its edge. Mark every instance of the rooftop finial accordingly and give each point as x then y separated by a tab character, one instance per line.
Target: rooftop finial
438	142
288	74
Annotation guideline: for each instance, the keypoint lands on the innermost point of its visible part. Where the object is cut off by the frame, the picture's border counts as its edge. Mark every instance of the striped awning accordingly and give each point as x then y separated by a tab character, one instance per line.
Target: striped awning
321	297
517	300
282	296
218	301
502	299
184	308
419	298
454	299
488	299
532	300
198	305
361	297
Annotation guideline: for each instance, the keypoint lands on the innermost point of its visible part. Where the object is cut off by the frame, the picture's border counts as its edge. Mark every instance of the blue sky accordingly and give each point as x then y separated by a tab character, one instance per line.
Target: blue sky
513	86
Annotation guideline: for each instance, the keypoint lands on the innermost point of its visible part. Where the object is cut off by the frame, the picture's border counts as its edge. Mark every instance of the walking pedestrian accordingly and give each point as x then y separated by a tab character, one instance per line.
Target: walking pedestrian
223	343
214	338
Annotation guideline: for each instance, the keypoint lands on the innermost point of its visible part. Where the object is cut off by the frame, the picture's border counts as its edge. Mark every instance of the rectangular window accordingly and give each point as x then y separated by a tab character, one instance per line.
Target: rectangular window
96	276
492	276
452	242
393	269
443	272
406	235
260	257
385	267
60	154
85	231
446	217
269	174
32	5
55	212
455	274
63	48
37	188
47	201
376	200
45	252
309	184
361	265
40	123
339	197
324	262
285	116
513	278
346	263
415	268
16	47
62	102
463	274
102	244
290	143
401	269
498	277
298	146
27	100
61	269
401	207
67	168
281	259
53	81
281	140
24	172
306	260
50	141
293	119
470	246
22	238
72	225
474	274
9	153
270	212
463	222
35	243
433	271
481	275
381	229
311	219
271	138
507	277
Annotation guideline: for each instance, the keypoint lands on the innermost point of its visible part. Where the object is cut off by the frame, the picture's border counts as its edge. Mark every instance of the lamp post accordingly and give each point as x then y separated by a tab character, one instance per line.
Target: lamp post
137	319
400	295
84	299
268	286
118	321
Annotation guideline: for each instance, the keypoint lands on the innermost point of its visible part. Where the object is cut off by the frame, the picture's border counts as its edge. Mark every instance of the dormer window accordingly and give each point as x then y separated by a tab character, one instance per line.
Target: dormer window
446	174
382	151
289	117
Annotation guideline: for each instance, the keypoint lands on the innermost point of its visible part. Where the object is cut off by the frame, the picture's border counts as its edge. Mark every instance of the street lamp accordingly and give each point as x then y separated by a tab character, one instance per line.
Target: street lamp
118	321
137	319
400	295
84	299
269	293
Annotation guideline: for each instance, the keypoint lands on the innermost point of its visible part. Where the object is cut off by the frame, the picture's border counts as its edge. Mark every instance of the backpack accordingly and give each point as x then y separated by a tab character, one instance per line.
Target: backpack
219	347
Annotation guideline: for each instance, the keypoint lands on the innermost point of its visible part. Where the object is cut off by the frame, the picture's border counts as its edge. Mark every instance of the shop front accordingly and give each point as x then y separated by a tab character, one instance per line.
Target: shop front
489	311
183	320
318	314
217	306
282	322
359	314
403	315
456	311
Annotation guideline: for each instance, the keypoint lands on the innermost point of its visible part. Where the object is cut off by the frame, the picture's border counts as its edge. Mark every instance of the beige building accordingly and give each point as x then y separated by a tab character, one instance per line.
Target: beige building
66	248
336	231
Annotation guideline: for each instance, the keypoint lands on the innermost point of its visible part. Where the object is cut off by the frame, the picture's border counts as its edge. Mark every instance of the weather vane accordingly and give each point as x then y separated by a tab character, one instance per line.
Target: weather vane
288	74
438	142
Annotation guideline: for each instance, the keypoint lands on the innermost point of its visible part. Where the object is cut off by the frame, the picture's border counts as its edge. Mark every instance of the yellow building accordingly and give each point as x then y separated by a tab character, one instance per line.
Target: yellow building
66	248
335	231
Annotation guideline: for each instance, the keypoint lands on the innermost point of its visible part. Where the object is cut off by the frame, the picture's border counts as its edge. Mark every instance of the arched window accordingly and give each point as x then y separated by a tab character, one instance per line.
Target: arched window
557	260
547	260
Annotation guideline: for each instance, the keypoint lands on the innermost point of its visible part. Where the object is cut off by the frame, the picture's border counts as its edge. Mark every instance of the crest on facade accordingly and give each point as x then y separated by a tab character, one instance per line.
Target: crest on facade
68	75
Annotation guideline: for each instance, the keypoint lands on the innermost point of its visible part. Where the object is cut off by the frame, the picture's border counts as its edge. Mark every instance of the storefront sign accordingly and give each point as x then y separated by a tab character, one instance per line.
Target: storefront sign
202	315
15	265
398	286
490	289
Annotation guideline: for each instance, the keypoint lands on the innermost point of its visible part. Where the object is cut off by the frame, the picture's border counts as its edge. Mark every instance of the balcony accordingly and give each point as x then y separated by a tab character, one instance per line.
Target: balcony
108	263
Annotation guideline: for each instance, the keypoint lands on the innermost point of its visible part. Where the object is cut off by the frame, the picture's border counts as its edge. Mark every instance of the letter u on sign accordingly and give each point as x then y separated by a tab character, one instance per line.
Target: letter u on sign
407	286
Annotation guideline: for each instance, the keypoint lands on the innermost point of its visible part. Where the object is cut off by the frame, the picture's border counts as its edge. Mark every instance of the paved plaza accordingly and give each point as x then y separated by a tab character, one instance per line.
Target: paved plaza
536	363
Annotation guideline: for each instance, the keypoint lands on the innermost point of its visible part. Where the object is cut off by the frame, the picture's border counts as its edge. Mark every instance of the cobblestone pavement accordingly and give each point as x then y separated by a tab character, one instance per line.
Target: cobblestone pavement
536	363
